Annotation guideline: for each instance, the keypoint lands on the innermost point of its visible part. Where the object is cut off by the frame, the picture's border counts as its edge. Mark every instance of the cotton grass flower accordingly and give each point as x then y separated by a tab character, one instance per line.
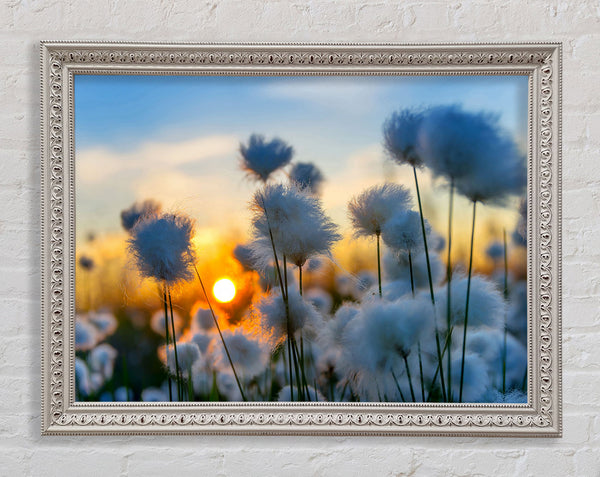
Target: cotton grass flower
475	380
82	377
296	221
87	263
102	360
188	355
260	158
513	396
402	232
154	395
249	355
396	267
137	211
285	395
307	176
330	335
201	319
105	322
157	323
379	338
495	251
320	299
486	306
489	345
519	235
271	317
86	334
474	152
370	210
400	134
243	254
162	247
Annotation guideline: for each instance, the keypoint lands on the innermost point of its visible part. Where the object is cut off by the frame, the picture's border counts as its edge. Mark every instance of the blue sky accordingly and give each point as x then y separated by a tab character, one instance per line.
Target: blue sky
176	137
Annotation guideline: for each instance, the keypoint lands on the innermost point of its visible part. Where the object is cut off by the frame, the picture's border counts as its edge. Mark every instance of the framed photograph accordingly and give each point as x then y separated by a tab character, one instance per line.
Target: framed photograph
301	239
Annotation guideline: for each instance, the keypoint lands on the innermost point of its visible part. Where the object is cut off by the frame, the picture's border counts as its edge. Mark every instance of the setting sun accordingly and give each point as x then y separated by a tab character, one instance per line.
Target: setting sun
224	290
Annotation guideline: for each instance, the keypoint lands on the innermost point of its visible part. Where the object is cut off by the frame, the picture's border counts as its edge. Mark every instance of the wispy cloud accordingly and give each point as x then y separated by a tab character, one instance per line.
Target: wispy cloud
99	164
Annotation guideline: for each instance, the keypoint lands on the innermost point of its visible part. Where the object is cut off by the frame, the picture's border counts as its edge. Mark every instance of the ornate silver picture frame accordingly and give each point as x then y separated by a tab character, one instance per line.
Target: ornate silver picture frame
64	414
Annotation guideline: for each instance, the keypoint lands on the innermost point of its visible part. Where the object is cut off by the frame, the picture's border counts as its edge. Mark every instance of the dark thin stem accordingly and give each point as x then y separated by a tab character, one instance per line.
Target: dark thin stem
412	391
505	324
177	371
464	344
126	377
220	334
449	292
397	386
190	385
412	279
300	279
379	265
438	367
421	371
429	277
167	339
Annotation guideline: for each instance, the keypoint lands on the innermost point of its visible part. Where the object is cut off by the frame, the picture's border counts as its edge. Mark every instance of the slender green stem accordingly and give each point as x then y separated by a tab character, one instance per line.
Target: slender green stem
291	335
429	276
167	339
177	371
190	385
412	278
421	371
397	386
220	334
449	292
438	368
466	325
300	279
505	324
126	377
379	264
412	391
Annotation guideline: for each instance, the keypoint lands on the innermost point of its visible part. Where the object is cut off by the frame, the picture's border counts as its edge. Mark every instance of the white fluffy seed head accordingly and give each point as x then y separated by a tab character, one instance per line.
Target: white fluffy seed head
400	136
495	250
404	232
472	150
137	211
104	321
157	323
102	360
202	319
486	304
86	334
371	209
162	247
270	315
396	266
384	332
285	395
250	356
260	158
294	221
243	254
307	177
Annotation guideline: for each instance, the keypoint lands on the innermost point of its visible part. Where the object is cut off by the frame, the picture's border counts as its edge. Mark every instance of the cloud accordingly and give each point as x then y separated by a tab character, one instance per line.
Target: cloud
94	166
343	94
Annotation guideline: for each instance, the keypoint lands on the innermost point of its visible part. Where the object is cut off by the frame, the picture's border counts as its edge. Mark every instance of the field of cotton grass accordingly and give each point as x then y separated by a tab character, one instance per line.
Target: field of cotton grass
291	324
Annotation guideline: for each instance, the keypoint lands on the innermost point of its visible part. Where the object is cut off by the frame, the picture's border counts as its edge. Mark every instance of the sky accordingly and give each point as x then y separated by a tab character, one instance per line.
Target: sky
176	139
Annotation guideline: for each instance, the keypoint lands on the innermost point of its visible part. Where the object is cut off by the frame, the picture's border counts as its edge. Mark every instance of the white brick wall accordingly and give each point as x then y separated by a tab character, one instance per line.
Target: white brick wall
24	22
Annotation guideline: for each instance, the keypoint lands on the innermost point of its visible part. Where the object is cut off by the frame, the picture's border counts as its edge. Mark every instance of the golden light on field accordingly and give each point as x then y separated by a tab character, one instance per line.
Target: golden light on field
224	290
